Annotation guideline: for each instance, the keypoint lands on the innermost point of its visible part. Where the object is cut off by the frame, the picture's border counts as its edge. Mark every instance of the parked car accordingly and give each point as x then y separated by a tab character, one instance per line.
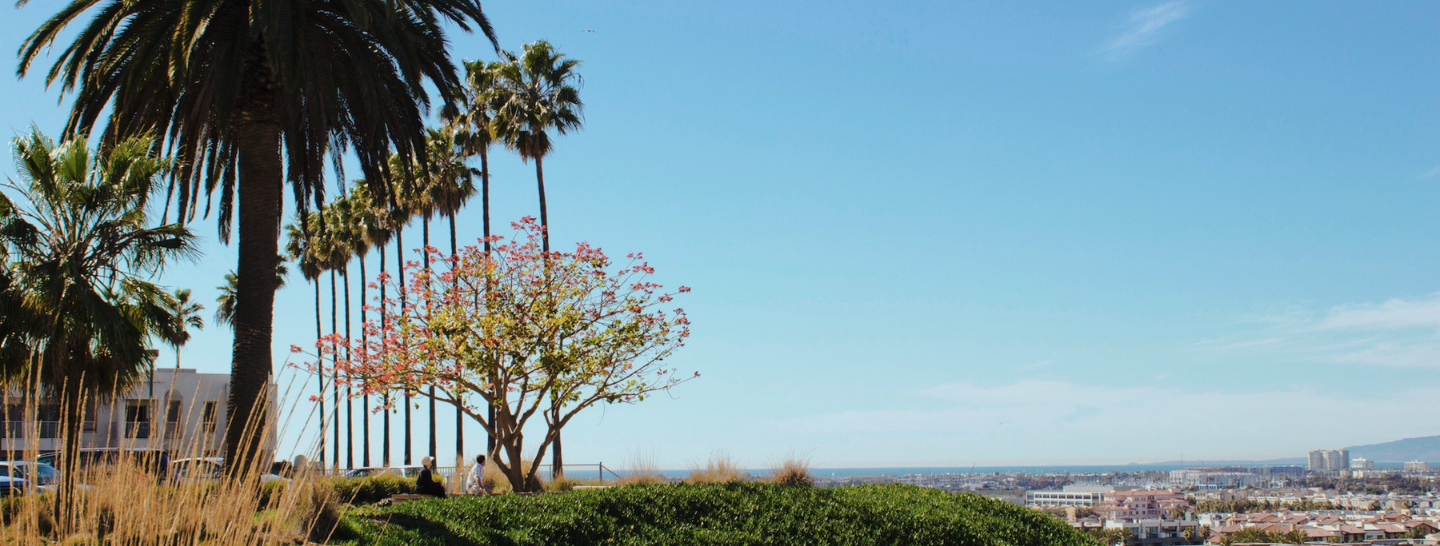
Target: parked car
13	486
405	471
206	469
154	462
25	475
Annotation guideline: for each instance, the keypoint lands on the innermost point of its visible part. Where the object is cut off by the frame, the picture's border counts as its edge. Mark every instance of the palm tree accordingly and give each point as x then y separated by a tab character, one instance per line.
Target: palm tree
225	302
344	235
251	94
370	230
480	91
406	190
533	96
184	316
80	255
381	221
423	205
299	248
452	184
332	256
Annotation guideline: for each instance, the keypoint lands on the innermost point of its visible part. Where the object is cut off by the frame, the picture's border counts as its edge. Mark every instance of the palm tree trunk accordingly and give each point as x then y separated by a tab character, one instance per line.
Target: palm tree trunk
485	216
426	253
400	264
365	346
335	372
260	203
320	370
349	390
544	217
459	414
384	322
557	461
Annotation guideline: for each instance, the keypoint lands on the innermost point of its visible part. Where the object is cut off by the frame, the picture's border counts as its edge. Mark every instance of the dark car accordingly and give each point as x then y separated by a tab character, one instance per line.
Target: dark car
154	462
21	476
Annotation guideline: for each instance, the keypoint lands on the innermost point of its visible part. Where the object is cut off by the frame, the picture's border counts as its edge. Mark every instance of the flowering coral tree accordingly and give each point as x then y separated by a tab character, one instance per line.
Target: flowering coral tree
525	332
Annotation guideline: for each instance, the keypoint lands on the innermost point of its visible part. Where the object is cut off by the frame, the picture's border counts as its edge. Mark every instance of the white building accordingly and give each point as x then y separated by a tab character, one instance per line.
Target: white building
181	411
1070	495
1361	463
1329	460
1417	466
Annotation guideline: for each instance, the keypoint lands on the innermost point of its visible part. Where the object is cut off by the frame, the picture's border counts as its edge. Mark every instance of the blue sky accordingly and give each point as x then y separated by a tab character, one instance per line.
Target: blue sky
948	234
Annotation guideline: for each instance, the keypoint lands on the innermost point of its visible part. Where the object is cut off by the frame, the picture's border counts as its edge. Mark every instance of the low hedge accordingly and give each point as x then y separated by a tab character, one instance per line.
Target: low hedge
737	513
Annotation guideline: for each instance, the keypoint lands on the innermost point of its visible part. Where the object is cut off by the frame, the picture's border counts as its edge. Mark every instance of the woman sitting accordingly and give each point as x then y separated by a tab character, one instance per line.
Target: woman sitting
425	483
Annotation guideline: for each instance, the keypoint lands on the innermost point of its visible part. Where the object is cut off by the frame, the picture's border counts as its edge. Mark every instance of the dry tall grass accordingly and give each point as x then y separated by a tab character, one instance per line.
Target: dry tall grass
793	469
127	503
498	483
720	468
641	469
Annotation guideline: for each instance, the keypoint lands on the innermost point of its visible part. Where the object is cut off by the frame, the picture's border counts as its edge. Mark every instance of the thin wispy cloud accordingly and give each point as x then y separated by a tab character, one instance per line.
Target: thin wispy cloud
1397	333
1144	28
1432	173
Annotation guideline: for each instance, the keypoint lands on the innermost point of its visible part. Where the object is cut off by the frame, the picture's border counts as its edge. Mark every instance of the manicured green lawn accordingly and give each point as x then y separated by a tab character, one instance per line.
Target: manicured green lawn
747	513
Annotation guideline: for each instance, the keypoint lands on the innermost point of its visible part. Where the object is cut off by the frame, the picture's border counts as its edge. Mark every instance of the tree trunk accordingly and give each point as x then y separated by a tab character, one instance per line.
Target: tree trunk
365	346
335	371
426	253
485	216
260	203
459	413
349	389
544	215
557	460
320	370
400	264
385	419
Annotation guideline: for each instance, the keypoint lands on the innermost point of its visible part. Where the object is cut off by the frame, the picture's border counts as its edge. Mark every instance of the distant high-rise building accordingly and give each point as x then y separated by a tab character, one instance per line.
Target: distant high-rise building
1329	460
1417	466
1361	463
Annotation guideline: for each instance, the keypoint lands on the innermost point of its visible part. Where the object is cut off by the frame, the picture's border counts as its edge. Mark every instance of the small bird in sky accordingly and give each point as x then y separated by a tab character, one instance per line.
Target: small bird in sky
589	30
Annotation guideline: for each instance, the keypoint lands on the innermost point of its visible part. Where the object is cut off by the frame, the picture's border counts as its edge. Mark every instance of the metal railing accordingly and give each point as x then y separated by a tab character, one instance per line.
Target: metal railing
580	471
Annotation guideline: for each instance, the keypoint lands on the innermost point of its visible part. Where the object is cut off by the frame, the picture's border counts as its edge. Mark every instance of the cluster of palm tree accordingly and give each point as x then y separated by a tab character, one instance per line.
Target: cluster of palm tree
76	254
249	97
253	96
517	101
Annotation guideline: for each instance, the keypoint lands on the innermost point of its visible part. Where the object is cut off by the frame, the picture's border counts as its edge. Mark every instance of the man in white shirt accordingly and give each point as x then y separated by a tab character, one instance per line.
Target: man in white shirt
475	485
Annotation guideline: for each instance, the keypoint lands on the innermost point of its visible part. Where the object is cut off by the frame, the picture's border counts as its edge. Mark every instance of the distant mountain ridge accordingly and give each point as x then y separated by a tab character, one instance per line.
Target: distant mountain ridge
1424	448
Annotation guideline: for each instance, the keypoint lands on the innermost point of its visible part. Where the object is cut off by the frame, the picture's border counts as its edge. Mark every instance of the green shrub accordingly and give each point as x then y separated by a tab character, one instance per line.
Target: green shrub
734	513
373	489
269	492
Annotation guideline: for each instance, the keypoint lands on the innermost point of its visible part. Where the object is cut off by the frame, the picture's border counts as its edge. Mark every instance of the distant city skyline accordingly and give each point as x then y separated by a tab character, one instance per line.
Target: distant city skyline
943	234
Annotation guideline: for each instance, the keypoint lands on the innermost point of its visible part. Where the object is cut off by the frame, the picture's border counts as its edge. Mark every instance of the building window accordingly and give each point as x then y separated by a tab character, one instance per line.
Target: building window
137	419
49	417
172	419
14	421
210	413
92	408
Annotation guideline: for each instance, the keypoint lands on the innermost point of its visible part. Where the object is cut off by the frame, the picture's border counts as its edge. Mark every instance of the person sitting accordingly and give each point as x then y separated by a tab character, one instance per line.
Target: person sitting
425	483
475	485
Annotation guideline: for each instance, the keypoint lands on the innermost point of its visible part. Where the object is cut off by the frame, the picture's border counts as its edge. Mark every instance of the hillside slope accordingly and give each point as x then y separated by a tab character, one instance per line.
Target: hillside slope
1424	448
746	513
